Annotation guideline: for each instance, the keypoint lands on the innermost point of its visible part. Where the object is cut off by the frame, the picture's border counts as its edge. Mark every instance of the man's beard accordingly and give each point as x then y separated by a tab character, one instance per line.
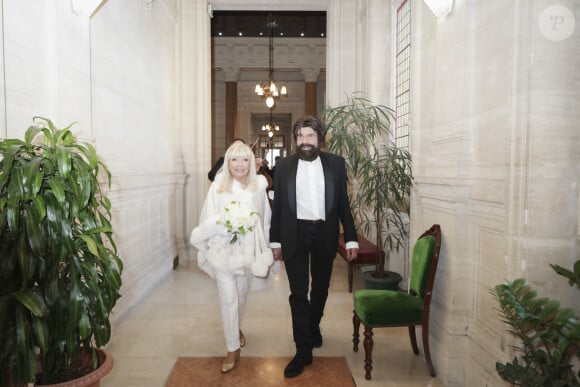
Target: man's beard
307	152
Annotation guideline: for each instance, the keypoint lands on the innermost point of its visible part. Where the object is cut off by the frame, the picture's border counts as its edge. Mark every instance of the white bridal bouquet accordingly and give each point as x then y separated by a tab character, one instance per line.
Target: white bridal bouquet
238	219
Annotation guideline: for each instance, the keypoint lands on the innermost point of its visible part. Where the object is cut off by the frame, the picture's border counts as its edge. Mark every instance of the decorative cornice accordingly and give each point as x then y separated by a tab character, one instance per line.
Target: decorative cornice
290	53
148	4
231	74
439	8
85	7
311	74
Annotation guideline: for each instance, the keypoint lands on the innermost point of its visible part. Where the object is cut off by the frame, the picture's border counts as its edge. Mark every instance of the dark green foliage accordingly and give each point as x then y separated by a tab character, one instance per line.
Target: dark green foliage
573	277
59	271
379	172
549	336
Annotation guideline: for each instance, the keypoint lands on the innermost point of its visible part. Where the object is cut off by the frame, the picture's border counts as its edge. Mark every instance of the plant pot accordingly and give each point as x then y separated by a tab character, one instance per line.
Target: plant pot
390	281
92	379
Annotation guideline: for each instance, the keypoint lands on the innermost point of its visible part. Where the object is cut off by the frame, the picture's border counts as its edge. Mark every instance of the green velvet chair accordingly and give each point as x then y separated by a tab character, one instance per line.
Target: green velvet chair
390	308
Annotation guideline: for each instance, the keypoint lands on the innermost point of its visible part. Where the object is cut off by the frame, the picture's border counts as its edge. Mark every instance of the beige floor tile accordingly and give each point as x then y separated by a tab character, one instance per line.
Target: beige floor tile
181	317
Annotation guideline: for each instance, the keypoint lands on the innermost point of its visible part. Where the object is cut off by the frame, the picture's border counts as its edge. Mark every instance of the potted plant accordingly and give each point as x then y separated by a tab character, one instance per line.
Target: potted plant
379	174
59	268
549	335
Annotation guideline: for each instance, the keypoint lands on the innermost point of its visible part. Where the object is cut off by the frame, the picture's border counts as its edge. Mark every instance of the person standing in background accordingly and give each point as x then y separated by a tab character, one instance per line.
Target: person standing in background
310	199
265	167
265	171
273	169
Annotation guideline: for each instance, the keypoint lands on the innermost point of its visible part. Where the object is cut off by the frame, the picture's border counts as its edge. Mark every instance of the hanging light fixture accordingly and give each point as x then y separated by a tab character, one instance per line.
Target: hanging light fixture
269	90
270	126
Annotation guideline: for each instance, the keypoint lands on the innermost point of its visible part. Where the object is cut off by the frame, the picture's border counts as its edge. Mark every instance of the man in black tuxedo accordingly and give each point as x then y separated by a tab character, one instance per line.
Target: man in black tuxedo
310	198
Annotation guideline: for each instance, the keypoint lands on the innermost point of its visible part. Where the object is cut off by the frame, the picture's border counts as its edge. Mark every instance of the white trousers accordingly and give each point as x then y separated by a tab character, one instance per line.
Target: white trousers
233	291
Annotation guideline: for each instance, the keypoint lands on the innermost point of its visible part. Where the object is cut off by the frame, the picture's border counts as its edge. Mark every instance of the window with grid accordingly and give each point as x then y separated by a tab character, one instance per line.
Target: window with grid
403	74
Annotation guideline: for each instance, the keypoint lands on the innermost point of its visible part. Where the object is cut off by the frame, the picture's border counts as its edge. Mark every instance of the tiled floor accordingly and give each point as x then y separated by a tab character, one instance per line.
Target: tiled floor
181	317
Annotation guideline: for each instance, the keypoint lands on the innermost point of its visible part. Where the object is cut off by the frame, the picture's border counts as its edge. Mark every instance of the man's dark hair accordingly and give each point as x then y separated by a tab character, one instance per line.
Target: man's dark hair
311	122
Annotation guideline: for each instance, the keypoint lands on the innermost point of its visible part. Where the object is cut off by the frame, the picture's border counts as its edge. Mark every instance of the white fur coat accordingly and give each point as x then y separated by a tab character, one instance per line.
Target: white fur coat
251	251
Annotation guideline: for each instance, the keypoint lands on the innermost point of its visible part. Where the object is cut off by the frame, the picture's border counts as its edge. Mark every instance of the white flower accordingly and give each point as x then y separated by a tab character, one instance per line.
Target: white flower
238	219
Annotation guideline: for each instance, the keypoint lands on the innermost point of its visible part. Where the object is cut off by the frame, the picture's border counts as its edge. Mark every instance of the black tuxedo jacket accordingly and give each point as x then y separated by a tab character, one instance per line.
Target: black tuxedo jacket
284	226
216	167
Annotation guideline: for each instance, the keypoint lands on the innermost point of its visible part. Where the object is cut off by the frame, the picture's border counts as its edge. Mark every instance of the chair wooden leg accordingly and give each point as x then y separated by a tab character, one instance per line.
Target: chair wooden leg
350	277
368	344
413	338
426	349
355	332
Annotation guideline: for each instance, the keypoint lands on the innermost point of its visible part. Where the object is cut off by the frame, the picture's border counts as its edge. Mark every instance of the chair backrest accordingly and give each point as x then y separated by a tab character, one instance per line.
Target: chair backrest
424	261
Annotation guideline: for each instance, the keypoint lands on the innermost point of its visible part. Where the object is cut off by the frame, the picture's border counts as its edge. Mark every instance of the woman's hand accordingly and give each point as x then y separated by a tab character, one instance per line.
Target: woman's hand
277	252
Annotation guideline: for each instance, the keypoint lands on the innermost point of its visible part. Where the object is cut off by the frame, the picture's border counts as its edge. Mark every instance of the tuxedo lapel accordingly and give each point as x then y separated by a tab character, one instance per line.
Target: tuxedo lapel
292	184
328	182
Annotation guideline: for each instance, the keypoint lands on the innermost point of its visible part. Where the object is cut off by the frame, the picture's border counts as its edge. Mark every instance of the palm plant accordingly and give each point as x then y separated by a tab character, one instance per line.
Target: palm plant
59	268
379	172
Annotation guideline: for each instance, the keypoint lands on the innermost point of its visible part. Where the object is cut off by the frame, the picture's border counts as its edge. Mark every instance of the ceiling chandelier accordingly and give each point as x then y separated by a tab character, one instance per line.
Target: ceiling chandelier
270	126
269	90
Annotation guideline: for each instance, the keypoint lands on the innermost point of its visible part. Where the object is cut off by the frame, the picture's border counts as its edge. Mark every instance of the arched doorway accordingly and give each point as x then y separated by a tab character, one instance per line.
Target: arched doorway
240	58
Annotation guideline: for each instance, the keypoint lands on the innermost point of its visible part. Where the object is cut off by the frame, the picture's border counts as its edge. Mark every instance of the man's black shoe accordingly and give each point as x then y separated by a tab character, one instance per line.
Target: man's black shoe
317	338
296	365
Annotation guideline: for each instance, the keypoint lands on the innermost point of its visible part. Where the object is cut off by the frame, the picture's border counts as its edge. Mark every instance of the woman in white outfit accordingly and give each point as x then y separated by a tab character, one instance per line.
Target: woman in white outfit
232	239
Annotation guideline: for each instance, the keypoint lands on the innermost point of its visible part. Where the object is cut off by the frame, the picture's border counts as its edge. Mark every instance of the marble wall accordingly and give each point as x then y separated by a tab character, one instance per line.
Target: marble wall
497	165
133	48
110	66
495	144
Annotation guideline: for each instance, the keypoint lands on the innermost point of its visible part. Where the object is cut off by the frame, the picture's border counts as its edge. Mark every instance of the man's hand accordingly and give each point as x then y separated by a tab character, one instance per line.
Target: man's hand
277	252
351	254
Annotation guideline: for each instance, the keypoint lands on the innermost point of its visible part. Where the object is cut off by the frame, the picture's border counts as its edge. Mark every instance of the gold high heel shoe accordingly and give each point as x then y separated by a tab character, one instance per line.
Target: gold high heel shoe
242	339
230	361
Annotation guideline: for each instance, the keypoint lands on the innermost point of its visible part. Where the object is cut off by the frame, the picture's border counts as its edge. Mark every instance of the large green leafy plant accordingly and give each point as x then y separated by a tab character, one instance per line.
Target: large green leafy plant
379	172
549	335
59	271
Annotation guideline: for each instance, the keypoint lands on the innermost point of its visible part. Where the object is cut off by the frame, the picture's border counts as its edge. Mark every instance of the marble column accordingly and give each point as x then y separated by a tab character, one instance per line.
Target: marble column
194	99
310	79
231	79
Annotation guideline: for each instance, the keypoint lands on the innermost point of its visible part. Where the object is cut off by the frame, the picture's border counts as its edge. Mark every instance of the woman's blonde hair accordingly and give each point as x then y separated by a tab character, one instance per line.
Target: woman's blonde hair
225	179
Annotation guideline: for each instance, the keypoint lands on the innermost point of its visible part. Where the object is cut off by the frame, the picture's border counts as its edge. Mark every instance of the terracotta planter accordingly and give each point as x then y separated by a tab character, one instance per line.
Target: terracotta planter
92	379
